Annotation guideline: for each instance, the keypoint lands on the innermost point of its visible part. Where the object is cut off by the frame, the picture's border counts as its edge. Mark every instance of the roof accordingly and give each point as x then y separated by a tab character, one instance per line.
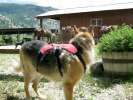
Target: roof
117	6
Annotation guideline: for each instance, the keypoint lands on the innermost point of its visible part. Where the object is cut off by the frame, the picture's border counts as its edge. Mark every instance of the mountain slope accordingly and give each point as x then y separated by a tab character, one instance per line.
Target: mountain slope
18	15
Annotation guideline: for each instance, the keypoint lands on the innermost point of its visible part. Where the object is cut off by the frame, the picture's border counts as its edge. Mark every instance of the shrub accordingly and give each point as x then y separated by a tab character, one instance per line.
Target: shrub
14	38
117	40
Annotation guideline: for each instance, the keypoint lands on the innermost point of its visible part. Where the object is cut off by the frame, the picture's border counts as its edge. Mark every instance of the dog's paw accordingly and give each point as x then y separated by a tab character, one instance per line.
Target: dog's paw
29	98
42	96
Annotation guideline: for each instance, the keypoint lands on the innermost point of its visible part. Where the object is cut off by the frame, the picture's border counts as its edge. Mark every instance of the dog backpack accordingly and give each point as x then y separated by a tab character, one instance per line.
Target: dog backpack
57	48
69	47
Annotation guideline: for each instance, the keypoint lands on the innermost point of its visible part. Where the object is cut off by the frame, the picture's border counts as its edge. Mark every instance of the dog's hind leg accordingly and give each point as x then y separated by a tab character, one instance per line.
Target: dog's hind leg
35	84
27	80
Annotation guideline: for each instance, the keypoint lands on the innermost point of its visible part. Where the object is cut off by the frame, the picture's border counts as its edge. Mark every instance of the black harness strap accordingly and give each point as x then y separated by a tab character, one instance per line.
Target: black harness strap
39	59
79	54
57	54
81	59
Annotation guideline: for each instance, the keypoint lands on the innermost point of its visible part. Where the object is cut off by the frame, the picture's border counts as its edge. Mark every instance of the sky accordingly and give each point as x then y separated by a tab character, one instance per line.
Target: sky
63	4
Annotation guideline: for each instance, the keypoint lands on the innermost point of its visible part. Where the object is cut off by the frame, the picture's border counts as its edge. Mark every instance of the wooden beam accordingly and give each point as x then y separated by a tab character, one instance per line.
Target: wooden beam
17	31
41	23
9	51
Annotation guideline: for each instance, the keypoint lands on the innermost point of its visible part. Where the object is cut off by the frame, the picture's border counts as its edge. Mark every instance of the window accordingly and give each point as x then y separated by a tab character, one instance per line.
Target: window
96	22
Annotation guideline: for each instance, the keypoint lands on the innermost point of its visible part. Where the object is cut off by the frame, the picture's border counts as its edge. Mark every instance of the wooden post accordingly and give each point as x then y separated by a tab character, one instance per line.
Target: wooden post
41	22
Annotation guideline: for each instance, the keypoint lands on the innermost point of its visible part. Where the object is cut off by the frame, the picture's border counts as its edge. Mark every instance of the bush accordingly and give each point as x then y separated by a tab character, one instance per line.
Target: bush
117	40
14	38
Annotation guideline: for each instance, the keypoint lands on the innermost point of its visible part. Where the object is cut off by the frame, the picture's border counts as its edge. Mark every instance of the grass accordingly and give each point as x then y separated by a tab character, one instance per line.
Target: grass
89	88
104	83
9	83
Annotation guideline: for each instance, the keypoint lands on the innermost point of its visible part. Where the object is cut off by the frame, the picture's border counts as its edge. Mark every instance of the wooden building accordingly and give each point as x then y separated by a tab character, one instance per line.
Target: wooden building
92	16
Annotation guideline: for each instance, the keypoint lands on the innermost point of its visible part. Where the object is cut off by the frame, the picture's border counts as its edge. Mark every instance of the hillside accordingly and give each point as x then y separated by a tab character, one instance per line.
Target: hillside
18	15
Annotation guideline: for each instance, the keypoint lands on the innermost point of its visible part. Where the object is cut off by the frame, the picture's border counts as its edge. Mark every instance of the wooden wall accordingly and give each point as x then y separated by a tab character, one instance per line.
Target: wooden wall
116	17
110	17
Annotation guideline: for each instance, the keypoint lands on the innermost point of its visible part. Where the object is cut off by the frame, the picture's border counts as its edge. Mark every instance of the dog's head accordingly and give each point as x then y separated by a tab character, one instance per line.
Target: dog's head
83	39
67	33
68	29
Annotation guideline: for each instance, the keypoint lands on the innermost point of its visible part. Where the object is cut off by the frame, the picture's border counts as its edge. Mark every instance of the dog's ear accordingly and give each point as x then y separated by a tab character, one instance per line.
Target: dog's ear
91	31
76	29
83	29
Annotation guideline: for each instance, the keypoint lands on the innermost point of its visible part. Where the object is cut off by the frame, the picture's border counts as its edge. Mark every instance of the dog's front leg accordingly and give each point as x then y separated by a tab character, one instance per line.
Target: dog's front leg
68	91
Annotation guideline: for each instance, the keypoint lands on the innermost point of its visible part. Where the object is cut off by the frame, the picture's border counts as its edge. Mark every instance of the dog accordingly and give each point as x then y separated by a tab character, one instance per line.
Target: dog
19	43
58	63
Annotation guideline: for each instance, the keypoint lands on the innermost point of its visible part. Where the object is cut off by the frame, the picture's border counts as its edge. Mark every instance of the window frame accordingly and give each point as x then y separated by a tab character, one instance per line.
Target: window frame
95	23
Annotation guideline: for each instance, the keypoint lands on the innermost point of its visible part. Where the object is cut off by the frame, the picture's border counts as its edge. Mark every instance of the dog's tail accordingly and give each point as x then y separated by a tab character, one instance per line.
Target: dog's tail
19	67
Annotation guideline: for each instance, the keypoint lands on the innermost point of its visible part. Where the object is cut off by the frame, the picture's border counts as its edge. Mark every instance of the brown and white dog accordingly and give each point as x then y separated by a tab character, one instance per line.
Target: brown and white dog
57	64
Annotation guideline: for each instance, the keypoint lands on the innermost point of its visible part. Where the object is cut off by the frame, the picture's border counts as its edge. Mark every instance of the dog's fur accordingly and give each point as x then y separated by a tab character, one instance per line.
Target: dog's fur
73	68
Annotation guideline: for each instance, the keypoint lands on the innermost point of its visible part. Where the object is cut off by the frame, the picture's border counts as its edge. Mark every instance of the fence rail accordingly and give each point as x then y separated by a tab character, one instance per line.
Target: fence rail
17	31
9	51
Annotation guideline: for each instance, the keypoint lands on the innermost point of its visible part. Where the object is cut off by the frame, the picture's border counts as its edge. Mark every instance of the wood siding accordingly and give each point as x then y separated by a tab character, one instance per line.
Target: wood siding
110	17
117	17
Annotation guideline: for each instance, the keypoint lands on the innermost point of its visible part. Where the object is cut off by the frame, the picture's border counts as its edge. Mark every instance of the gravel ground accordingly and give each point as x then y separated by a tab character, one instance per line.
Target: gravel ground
89	88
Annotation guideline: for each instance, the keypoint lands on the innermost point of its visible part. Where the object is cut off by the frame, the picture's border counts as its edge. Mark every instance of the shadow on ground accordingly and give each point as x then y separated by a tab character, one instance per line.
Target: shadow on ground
105	80
10	77
10	97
